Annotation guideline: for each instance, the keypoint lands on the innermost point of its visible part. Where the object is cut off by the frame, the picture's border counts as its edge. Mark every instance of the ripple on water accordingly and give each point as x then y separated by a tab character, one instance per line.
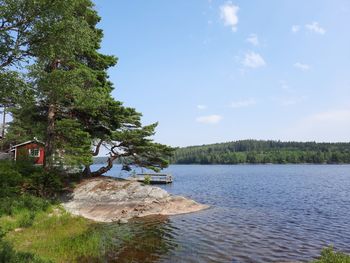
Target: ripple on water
271	213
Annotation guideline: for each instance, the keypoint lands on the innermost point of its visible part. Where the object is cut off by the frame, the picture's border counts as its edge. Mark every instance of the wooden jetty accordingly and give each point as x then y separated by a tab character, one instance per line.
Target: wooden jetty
155	178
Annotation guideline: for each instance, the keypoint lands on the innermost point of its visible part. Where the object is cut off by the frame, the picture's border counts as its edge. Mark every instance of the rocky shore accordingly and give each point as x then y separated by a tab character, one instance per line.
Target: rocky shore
107	199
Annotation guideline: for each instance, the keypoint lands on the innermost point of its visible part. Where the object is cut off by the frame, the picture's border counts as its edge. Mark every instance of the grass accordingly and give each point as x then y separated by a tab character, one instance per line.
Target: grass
56	236
34	228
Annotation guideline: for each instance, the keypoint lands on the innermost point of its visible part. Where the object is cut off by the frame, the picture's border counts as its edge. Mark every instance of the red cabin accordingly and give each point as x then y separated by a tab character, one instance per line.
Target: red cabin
30	149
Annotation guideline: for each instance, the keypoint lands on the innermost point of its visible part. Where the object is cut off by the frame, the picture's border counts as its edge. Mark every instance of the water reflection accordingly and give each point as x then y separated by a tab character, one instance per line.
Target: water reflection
150	238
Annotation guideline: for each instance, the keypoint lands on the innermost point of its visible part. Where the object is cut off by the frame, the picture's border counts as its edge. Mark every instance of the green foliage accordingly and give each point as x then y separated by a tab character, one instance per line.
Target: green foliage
13	88
10	180
140	150
147	179
68	93
74	142
21	185
44	183
14	205
18	208
255	152
328	255
22	177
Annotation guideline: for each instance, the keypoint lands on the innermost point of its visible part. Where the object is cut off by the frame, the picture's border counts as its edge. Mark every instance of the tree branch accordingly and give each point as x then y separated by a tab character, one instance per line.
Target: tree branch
97	150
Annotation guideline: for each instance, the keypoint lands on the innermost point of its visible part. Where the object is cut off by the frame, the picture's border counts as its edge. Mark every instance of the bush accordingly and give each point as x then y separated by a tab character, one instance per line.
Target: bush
10	179
11	206
23	189
21	184
45	184
23	177
147	179
328	255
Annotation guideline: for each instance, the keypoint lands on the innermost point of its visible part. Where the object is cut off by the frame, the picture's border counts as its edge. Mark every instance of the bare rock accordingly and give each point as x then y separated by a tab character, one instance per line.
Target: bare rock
116	200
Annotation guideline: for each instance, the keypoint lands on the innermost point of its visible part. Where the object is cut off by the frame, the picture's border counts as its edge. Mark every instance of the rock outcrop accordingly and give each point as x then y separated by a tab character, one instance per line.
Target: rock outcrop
107	200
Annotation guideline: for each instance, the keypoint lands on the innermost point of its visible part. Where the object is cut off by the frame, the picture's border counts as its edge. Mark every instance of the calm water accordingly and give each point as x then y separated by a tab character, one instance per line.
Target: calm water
259	213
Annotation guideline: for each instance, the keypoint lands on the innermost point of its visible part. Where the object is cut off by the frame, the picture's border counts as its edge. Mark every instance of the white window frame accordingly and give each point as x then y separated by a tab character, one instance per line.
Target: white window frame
32	152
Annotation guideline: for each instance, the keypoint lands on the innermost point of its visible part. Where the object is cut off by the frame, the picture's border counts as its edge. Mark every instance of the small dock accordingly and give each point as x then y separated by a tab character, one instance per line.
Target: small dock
155	178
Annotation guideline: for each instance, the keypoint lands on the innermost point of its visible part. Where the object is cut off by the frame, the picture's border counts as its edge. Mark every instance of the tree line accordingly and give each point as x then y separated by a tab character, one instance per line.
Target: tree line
263	152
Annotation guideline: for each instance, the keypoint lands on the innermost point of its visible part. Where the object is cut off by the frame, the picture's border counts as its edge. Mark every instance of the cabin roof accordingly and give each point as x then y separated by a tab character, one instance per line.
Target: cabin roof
25	143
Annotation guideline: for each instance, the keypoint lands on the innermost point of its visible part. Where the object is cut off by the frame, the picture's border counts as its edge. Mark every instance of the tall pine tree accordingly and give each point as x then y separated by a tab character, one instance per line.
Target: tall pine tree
71	103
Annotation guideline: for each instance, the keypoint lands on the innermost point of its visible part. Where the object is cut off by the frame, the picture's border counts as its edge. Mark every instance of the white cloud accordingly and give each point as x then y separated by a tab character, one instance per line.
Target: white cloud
332	116
202	107
302	66
253	39
332	125
316	28
209	119
243	103
228	13
295	28
253	60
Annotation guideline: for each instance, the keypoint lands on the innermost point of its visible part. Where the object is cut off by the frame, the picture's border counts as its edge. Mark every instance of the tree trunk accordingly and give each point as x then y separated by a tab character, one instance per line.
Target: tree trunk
105	169
50	134
3	127
3	123
87	171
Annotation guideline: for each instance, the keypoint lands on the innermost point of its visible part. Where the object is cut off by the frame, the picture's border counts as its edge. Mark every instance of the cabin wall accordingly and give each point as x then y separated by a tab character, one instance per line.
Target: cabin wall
23	151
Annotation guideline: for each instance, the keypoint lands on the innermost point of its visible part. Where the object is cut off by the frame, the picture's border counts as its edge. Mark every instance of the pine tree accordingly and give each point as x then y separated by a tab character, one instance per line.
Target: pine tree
71	103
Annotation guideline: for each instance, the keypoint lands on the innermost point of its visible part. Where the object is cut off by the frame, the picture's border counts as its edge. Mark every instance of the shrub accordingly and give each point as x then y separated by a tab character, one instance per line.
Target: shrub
10	179
45	184
23	177
147	179
328	255
11	205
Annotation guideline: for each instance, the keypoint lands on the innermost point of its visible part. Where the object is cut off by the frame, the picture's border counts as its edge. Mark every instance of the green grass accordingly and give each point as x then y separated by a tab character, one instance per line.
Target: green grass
33	228
60	237
56	236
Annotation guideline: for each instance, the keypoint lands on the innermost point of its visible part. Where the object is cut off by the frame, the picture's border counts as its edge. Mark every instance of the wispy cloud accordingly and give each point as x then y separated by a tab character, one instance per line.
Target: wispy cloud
302	66
290	101
295	28
253	39
209	119
228	13
316	28
242	103
202	107
253	60
331	125
342	115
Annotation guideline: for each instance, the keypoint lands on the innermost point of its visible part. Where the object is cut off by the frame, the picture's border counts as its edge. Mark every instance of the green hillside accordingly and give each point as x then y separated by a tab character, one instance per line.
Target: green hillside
258	151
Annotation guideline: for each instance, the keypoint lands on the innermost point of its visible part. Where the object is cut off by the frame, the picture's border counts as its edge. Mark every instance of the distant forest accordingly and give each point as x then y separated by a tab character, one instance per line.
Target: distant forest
263	152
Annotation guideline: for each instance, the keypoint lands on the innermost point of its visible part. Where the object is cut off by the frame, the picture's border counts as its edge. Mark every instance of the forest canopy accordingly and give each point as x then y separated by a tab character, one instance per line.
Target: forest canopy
259	151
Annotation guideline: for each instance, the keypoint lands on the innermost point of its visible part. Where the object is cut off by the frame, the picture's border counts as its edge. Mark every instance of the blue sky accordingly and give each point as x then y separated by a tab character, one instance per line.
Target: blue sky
216	71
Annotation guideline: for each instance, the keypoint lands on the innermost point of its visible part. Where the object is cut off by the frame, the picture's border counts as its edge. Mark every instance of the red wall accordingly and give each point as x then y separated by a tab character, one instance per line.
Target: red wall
24	151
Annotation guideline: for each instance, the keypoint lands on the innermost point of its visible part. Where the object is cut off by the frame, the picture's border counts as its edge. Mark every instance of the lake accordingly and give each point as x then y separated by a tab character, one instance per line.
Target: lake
258	213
